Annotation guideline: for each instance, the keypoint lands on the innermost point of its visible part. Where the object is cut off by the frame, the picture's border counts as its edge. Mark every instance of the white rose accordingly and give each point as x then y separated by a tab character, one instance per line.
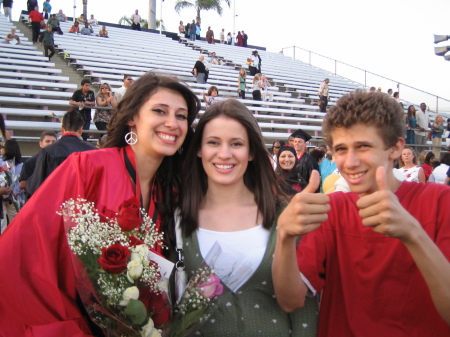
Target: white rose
131	293
163	285
149	330
135	269
140	253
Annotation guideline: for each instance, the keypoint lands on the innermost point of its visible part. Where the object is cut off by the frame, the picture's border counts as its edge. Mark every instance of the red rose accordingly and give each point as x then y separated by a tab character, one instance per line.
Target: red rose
296	187
128	217
157	305
114	259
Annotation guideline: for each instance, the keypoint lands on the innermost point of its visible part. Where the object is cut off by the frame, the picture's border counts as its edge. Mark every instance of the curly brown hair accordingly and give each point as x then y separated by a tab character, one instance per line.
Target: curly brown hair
368	108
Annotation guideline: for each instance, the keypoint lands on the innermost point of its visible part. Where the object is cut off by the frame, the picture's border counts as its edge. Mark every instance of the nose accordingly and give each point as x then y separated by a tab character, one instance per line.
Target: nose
171	121
352	160
224	151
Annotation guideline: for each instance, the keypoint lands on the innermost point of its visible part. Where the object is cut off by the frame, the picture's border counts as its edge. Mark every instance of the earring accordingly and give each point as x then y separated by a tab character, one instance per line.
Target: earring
180	150
131	138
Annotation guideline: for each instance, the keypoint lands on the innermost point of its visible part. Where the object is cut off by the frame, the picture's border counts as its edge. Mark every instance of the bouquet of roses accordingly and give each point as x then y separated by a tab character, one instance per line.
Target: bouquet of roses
9	169
121	288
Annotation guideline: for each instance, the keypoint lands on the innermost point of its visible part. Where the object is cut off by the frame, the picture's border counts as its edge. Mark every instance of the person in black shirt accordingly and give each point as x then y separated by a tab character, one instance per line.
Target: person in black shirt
82	98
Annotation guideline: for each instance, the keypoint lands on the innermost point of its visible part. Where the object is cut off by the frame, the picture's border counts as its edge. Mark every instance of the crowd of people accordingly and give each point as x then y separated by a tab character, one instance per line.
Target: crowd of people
372	248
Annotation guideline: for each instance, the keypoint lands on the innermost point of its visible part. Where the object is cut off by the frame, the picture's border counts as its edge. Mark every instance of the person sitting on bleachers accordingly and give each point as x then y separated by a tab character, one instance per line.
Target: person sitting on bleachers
213	59
92	21
11	36
81	19
103	32
75	28
61	16
53	23
211	98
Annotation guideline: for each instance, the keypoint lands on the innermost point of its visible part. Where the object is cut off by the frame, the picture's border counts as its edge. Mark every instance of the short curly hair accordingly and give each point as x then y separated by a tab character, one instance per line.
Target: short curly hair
368	108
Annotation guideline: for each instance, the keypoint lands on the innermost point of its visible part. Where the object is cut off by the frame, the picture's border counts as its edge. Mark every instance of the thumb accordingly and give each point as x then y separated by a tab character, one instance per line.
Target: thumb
381	179
314	182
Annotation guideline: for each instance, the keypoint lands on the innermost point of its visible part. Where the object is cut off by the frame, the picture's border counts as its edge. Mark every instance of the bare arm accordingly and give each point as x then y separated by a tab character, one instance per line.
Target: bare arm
422	176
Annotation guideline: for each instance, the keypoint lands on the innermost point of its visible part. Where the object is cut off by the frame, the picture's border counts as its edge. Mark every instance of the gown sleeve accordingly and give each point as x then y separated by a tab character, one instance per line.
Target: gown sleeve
37	285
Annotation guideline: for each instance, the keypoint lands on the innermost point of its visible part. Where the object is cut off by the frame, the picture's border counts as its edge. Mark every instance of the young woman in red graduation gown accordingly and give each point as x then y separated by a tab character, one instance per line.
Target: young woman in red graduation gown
38	294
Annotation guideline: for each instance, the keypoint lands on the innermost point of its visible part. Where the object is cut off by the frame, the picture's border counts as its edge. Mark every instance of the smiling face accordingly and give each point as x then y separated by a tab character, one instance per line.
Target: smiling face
299	145
286	160
225	151
161	124
359	151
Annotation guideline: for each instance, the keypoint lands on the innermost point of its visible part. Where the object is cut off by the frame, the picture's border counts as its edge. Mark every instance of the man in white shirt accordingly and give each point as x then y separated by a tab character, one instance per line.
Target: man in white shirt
119	93
423	123
92	21
136	21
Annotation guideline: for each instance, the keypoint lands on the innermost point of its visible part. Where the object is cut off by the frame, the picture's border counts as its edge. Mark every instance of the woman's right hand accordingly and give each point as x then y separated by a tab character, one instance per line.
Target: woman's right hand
5	190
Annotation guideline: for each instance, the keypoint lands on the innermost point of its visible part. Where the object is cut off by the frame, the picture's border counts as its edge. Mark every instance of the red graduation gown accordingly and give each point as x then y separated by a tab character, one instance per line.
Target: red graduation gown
37	285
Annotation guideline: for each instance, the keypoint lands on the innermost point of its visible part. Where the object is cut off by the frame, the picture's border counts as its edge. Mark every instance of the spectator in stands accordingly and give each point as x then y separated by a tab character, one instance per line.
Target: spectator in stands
439	174
31	4
198	29
244	39
46	275
408	166
213	59
427	165
288	172
136	20
210	36
12	36
396	96
438	132
276	146
127	81
317	155
255	63
387	237
35	18
448	135
324	94
306	163
290	141
103	32
257	87
389	92
181	31
372	89
229	38
53	23
12	158
4	134
239	39
222	36
193	30
47	138
187	30
242	83
61	16
411	123
46	39
84	98
7	7
200	70
423	123
50	157
75	28
266	93
92	21
81	19
47	9
105	98
211	97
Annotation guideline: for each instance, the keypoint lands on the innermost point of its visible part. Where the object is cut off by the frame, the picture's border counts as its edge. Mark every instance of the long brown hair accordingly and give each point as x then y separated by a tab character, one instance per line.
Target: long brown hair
168	173
259	176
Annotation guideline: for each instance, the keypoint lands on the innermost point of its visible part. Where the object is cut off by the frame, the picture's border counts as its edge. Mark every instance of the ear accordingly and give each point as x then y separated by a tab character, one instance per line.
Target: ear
199	153
80	130
131	122
396	150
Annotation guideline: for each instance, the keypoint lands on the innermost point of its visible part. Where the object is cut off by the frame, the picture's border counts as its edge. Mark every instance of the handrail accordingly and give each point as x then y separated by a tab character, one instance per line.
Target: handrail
409	94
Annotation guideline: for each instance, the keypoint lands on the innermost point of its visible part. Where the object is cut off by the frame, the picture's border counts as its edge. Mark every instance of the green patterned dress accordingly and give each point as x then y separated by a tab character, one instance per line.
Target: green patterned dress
253	310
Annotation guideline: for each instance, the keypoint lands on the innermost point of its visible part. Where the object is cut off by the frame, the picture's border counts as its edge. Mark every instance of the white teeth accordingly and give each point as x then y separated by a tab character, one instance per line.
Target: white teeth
355	176
166	137
223	167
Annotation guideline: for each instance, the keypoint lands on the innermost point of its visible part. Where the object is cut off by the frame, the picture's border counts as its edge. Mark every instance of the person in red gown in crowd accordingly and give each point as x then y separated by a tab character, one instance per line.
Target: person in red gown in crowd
152	124
240	39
